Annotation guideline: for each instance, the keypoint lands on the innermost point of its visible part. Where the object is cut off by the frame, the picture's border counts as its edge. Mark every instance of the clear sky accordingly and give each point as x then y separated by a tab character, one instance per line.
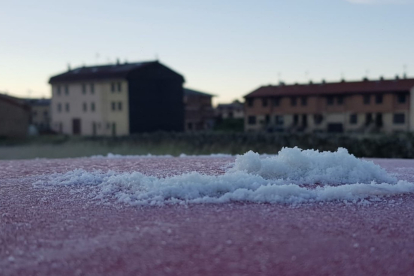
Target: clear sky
227	48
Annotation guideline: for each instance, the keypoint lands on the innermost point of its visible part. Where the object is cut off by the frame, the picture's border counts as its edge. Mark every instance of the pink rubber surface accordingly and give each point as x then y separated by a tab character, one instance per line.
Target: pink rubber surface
54	232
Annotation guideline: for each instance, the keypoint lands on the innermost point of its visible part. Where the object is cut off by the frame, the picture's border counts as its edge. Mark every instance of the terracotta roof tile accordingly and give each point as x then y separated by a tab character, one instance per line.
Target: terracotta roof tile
379	86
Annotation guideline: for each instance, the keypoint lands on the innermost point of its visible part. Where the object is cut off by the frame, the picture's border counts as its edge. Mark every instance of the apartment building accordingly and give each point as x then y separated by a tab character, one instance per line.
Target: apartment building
199	113
14	117
358	106
117	99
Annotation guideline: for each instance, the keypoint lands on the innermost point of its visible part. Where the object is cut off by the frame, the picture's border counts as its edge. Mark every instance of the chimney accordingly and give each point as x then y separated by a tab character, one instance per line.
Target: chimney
69	67
381	78
365	79
397	77
117	61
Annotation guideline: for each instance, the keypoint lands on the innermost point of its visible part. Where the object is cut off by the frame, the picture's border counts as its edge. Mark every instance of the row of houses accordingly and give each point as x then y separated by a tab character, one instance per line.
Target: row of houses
362	106
123	99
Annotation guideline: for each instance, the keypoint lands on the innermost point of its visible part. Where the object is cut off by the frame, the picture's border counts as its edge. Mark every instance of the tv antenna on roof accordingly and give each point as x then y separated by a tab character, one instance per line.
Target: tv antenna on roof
405	71
97	56
306	75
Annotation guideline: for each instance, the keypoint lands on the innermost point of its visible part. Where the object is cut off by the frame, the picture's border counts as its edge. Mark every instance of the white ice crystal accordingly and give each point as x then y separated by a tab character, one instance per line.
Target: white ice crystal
293	176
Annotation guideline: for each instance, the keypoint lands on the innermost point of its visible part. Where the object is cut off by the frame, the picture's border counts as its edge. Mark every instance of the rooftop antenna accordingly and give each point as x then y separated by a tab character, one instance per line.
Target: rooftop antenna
97	56
405	71
156	57
69	66
366	73
279	77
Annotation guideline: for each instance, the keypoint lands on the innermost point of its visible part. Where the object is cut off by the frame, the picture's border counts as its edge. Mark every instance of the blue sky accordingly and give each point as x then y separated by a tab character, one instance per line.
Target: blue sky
227	48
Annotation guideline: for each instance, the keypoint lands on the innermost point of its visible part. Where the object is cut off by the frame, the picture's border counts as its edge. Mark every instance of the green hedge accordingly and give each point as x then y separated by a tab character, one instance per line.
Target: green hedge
378	145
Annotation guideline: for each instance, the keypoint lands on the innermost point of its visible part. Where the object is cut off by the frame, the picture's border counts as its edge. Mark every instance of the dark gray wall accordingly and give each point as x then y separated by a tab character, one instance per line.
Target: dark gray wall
155	99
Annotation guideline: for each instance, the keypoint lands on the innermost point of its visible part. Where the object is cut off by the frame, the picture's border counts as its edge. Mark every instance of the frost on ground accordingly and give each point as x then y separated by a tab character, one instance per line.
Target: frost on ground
293	176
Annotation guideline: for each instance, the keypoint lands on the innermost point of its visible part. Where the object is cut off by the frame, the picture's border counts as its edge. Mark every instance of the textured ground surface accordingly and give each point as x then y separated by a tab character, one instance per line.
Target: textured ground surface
55	232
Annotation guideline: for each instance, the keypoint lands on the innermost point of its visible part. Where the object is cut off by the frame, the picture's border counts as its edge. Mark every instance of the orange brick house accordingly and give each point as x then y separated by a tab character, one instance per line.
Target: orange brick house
358	106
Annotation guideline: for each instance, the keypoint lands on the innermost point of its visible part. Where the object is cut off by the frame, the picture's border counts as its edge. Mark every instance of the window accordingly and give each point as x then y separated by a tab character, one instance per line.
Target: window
59	107
340	100
120	106
250	102
279	120
378	99
58	90
83	89
119	87
353	119
264	102
92	107
330	100
399	118
368	118
251	120
276	101
85	107
304	101
113	87
367	99
67	107
66	89
267	119
295	119
113	104
92	88
293	101
378	120
401	98
317	118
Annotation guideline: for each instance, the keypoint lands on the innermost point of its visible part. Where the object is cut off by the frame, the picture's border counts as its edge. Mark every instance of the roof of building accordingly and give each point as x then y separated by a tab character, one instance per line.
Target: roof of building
343	87
14	101
234	105
119	70
38	102
196	93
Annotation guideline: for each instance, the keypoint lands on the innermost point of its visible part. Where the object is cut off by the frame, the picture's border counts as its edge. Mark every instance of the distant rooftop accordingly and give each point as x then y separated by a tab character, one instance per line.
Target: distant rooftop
39	102
14	101
343	87
234	105
119	70
198	93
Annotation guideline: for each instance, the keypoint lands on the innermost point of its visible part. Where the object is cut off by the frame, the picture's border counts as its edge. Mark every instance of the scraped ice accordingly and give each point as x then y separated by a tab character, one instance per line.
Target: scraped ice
293	176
